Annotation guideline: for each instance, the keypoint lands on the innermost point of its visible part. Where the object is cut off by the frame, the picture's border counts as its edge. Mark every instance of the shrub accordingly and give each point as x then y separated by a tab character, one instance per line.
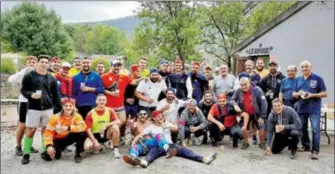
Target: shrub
103	60
7	66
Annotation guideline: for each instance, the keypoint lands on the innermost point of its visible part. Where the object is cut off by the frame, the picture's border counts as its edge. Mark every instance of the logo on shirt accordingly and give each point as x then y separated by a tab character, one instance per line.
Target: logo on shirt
313	83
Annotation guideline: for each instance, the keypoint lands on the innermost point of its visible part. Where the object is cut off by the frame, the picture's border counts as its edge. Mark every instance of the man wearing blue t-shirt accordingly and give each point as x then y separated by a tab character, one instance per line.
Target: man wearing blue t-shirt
286	87
309	89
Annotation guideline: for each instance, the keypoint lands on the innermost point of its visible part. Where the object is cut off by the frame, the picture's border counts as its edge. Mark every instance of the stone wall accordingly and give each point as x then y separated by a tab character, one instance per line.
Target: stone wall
8	90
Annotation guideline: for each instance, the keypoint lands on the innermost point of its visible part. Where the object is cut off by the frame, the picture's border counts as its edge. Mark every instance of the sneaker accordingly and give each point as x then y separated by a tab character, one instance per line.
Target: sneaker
262	146
18	151
314	155
210	159
130	160
245	145
45	156
78	158
303	149
25	159
293	154
58	155
198	140
141	162
116	153
171	152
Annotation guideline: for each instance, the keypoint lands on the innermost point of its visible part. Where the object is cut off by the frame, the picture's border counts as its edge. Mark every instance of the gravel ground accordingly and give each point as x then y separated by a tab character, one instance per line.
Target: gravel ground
229	160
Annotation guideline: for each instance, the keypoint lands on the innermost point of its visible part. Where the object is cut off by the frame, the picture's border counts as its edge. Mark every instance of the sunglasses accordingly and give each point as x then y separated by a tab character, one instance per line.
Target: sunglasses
142	114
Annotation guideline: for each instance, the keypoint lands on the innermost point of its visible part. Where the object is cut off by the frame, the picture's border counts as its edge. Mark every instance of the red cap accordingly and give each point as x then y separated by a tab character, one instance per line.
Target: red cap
55	60
155	114
135	67
222	96
68	100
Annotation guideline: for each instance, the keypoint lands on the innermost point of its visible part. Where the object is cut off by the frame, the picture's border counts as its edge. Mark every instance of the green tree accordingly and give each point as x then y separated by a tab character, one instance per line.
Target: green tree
7	66
102	60
32	28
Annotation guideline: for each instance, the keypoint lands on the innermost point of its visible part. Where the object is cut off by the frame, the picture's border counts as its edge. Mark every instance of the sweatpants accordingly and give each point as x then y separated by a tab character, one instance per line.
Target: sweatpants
281	140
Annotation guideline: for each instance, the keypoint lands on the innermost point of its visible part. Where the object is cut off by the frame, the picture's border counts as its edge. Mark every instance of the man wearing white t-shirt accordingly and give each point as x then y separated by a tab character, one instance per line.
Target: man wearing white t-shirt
148	91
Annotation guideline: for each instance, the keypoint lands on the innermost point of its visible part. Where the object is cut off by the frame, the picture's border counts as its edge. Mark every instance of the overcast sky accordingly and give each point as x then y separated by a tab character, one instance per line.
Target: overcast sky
82	11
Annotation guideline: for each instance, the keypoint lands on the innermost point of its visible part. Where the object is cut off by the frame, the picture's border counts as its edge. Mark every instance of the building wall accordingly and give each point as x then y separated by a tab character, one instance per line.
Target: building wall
307	35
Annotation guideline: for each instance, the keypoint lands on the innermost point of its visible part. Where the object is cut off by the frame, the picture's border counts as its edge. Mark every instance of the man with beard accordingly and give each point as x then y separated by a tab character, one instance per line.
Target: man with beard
170	108
192	124
223	121
209	76
41	90
270	84
76	68
250	98
260	68
64	81
309	89
199	82
163	69
143	64
142	122
224	83
64	129
22	107
287	85
148	91
206	103
180	81
102	125
86	86
249	69
131	101
54	66
100	69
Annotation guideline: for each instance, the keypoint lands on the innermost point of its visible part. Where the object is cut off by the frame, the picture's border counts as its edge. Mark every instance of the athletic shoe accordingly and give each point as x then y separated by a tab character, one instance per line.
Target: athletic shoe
314	155
78	158
210	159
25	159
130	160
141	162
18	151
45	156
198	140
262	146
170	153
245	145
116	153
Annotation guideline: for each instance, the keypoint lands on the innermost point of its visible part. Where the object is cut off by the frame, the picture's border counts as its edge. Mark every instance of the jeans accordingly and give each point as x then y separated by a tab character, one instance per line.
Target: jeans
315	122
157	141
78	138
281	140
183	152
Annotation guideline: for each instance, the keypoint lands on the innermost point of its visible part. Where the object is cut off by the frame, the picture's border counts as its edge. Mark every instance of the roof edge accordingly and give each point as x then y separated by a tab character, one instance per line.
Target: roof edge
270	25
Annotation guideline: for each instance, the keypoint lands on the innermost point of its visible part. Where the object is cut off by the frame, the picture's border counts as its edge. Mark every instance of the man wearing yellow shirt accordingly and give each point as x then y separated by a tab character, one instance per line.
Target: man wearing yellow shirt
76	67
143	65
260	68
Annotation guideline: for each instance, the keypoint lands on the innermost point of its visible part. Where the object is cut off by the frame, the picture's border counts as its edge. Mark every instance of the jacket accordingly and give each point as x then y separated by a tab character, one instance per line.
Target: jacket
65	85
186	119
75	122
182	83
48	85
199	85
270	82
258	100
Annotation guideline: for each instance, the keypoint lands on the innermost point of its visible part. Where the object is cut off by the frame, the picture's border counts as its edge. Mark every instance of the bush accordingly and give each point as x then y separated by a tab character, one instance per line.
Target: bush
7	66
103	60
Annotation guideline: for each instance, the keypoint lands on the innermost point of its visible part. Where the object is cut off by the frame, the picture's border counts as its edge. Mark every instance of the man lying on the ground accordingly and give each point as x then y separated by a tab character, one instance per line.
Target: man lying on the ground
141	144
156	152
192	124
285	123
102	126
223	121
65	129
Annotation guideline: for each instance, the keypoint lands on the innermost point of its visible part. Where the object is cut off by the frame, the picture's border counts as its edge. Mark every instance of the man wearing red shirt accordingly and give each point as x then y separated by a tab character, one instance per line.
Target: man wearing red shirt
223	118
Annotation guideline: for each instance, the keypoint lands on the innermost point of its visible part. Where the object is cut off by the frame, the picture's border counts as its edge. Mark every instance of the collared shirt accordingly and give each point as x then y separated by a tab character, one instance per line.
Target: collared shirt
313	84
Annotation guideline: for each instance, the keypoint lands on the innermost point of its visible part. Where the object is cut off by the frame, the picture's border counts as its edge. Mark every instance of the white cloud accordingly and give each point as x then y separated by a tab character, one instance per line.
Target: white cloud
81	11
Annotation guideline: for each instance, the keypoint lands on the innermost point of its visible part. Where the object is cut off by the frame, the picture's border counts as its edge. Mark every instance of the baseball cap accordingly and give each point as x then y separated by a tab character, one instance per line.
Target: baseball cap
115	62
66	64
172	90
244	74
155	114
164	62
154	70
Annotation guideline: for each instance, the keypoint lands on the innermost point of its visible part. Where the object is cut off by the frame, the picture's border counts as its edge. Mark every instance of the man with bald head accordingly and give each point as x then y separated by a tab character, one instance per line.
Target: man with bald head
249	70
225	82
309	89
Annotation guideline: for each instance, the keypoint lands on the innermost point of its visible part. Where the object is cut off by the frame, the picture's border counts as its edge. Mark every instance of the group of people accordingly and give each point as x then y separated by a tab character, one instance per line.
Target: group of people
165	109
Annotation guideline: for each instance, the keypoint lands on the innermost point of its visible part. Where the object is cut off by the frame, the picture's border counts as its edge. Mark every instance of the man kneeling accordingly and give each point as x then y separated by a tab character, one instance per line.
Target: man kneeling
102	126
64	129
285	123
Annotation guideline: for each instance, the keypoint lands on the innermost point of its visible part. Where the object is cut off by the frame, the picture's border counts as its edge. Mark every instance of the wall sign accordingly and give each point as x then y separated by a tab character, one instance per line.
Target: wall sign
259	51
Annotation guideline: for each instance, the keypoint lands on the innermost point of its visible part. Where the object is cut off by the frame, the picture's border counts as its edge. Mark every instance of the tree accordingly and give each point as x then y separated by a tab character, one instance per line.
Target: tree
32	28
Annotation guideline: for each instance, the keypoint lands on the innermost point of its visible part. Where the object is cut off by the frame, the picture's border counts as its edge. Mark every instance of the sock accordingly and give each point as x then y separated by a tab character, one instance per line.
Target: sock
44	149
27	143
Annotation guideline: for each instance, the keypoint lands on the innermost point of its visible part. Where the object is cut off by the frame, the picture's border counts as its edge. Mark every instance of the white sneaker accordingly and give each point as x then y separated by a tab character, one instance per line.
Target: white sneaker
198	140
116	153
142	163
210	159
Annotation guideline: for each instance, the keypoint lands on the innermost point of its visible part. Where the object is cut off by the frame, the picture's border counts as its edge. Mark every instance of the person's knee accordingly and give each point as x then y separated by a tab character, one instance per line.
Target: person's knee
295	133
30	132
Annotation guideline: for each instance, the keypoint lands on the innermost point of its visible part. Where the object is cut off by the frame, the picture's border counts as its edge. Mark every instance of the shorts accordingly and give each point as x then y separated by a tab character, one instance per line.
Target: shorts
22	109
36	118
100	139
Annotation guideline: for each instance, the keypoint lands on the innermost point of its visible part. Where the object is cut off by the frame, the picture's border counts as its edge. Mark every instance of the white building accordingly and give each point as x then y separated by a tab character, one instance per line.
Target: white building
304	32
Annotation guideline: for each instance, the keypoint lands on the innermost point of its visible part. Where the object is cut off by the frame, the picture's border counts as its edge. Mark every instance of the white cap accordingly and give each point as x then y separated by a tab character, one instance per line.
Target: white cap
66	64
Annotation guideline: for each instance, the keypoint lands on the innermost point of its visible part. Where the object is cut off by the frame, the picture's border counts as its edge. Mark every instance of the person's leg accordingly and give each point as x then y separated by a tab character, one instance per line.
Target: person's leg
280	141
293	142
113	133
315	123
236	133
45	115
154	153
215	133
305	141
174	136
186	153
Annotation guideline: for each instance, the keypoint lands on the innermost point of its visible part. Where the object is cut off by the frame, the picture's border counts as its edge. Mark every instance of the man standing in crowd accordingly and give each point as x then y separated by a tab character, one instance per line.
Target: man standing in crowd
284	122
192	124
64	80
41	90
148	91
270	84
225	82
102	126
100	69
180	81
76	68
206	103
131	101
249	93
143	64
199	82
64	129
223	121
249	69
22	107
86	86
54	66
309	89
286	87
260	69
163	69
209	76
